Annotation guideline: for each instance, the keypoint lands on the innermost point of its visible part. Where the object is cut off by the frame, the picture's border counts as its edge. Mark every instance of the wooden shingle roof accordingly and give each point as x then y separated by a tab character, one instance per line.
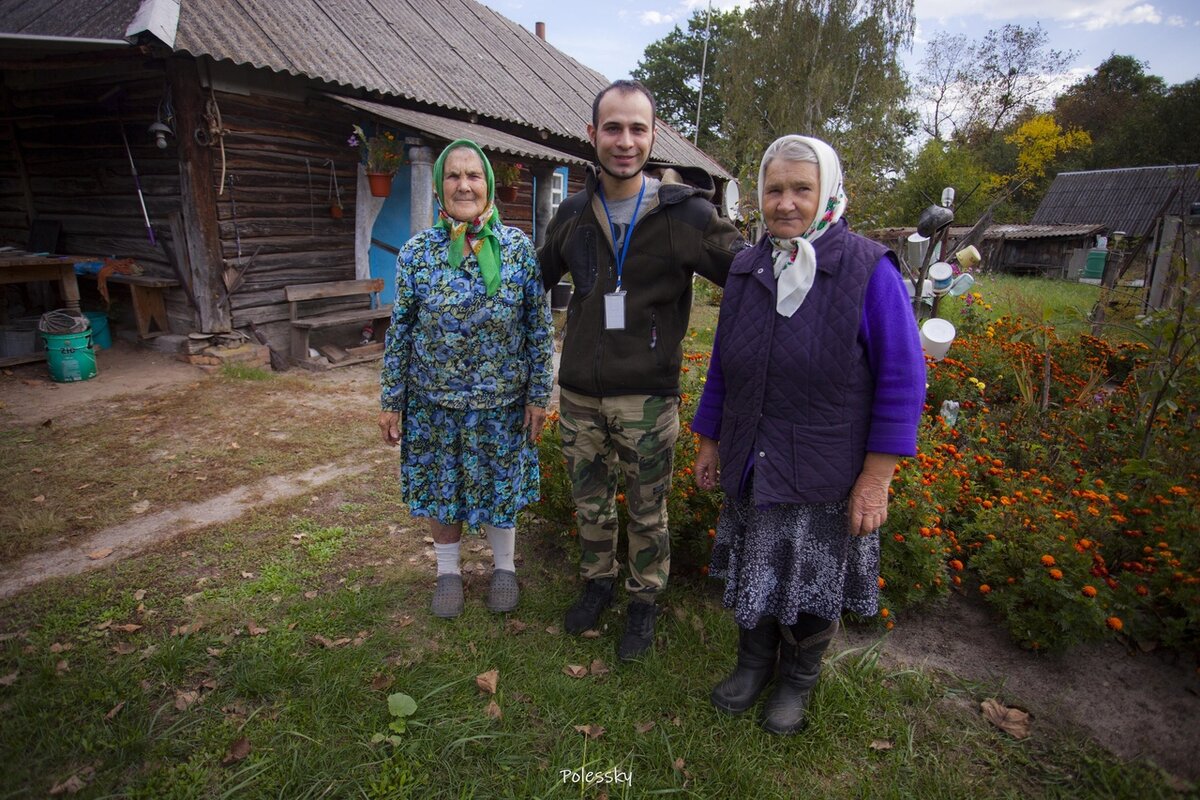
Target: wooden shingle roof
453	54
1128	200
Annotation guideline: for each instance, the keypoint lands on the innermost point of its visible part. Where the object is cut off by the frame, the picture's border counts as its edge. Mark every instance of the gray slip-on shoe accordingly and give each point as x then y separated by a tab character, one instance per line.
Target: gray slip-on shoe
448	596
503	593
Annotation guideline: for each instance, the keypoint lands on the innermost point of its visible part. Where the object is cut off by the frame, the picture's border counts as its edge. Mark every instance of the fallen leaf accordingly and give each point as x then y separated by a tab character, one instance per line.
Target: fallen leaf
309	595
678	765
59	648
598	667
575	670
140	507
493	709
103	552
552	630
237	751
188	628
677	722
292	626
128	627
139	595
590	731
360	637
881	744
71	785
209	683
247	574
112	712
41	498
36	470
381	682
591	634
1012	721
404	620
10	678
83	486
643	727
234	446
330	644
124	649
104	625
299	536
215	652
254	630
515	626
62	666
185	699
488	681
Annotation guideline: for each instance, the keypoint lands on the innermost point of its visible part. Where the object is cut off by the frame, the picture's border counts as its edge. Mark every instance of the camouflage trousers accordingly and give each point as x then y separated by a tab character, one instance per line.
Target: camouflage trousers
634	434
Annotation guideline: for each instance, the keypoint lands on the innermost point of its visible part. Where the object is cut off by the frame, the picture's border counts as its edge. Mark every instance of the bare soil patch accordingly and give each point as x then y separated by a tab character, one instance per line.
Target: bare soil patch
1137	705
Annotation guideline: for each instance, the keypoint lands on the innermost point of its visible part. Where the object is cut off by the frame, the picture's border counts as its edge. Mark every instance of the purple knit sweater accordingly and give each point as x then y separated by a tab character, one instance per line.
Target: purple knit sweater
888	334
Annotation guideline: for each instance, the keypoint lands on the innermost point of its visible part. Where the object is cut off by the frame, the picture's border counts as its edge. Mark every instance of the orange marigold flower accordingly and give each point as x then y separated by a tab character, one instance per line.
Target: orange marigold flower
1114	623
984	588
1056	574
1048	561
1180	490
899	537
956	565
1088	591
882	582
883	612
890	625
957	581
1142	590
712	533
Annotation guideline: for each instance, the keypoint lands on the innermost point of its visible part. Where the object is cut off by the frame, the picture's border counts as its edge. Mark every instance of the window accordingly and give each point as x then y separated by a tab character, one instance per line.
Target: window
558	189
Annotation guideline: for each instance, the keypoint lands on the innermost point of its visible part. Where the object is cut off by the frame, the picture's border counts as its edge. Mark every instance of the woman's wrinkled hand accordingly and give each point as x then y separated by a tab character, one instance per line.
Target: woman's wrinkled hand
535	420
707	470
869	497
389	427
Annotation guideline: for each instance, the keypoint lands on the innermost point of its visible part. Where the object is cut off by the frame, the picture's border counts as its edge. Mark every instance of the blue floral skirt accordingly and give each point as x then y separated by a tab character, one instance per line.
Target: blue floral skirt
466	465
783	560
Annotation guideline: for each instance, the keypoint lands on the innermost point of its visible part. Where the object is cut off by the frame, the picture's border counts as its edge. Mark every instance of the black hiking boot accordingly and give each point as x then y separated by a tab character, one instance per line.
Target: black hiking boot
585	614
639	630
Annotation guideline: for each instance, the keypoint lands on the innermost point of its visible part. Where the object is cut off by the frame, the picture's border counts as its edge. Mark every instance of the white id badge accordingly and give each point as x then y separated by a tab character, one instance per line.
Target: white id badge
614	311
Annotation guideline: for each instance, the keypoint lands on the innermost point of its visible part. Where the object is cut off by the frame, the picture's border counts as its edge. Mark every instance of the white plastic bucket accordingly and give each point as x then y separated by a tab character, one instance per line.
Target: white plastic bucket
936	336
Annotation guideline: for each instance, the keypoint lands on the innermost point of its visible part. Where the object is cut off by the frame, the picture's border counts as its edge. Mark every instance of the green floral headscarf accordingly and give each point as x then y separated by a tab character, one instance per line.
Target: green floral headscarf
478	235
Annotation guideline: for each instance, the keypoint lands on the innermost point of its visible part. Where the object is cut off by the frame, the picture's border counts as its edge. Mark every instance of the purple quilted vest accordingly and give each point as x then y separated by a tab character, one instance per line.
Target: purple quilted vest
799	389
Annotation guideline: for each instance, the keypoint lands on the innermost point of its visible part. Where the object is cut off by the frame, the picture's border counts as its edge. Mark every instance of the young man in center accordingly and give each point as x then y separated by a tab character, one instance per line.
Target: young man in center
632	240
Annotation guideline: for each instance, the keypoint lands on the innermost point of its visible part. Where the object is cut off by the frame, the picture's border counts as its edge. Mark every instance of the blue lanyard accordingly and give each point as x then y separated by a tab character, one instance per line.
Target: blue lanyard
628	234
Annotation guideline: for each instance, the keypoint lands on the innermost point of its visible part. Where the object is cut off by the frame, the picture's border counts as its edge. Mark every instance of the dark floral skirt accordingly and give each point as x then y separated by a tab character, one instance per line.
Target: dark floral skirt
467	465
784	560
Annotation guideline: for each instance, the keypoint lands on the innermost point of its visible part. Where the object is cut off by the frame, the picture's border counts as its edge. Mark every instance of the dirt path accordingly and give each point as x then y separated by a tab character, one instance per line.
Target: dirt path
1136	705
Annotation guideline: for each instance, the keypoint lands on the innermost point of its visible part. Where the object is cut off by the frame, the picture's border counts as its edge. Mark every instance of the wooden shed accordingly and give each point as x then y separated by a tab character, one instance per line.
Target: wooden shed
206	141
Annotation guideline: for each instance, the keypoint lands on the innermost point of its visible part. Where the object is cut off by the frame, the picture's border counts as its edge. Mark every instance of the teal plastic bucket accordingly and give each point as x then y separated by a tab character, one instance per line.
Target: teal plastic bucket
100	331
70	356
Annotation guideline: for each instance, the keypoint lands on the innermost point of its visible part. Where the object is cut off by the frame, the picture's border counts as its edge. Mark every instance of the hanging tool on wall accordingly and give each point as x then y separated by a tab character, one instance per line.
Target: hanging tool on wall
335	194
113	99
213	132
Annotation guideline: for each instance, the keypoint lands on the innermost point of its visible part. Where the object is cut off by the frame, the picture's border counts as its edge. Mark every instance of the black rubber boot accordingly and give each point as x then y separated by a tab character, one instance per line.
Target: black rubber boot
758	648
799	667
585	614
639	630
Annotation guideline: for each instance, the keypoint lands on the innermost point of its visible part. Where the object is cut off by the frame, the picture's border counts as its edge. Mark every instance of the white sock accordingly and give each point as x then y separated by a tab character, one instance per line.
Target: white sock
447	558
504	546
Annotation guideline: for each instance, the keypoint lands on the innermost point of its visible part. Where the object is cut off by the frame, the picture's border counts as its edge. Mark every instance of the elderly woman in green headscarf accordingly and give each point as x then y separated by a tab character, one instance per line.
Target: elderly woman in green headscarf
467	374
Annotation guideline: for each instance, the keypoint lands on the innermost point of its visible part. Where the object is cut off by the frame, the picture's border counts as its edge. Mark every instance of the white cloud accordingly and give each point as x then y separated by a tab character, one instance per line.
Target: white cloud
1087	14
655	18
1176	21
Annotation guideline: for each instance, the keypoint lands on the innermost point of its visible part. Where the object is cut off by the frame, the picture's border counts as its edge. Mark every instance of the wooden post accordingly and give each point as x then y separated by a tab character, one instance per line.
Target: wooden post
198	197
544	173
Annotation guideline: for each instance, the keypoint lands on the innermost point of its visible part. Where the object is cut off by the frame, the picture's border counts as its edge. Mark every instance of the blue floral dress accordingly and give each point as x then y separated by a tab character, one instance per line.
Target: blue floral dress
460	367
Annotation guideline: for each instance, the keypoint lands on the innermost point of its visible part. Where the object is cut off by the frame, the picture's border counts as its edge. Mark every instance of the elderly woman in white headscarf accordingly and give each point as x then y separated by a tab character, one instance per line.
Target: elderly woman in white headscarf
814	392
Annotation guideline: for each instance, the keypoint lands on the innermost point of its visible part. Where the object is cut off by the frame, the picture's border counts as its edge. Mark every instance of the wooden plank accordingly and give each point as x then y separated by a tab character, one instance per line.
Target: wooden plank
332	352
343	318
322	291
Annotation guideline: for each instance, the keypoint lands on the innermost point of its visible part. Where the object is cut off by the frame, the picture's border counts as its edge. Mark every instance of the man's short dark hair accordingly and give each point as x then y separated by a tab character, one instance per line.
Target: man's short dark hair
624	87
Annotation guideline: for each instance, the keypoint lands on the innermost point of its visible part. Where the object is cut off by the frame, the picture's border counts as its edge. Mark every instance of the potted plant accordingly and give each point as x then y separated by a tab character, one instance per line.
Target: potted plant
381	155
507	175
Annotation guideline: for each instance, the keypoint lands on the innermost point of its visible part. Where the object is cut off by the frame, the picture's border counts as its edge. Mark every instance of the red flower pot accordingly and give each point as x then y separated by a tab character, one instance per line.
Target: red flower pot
506	193
381	183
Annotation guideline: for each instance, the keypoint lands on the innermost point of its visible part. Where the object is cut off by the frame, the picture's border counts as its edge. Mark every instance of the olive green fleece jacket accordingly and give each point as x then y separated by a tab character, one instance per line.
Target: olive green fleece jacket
680	235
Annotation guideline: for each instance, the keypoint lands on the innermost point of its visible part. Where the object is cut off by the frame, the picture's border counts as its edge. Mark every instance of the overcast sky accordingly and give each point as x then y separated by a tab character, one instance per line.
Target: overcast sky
611	36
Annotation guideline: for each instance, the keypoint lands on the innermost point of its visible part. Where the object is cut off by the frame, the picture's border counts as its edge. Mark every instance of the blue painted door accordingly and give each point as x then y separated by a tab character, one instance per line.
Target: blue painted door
390	232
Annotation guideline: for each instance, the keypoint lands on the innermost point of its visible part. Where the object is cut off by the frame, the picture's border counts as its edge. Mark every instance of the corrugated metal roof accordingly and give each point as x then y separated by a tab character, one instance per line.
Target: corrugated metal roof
432	52
999	231
449	129
1128	200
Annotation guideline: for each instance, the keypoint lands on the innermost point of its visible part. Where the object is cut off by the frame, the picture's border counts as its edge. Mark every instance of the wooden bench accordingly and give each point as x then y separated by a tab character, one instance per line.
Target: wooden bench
303	326
149	310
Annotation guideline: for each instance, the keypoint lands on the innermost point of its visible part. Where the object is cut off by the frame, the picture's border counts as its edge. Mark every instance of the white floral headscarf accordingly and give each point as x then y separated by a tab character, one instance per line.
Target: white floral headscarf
795	261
